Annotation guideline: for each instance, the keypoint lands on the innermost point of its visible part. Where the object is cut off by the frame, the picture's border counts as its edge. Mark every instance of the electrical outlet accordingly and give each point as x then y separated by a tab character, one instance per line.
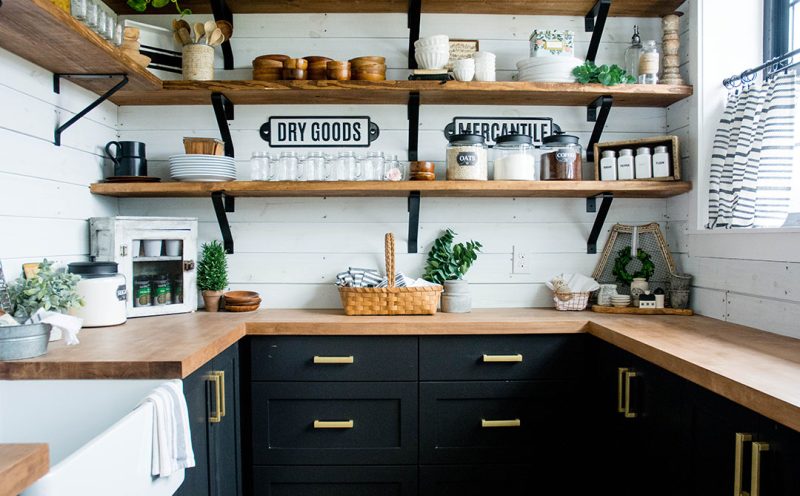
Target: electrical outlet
521	263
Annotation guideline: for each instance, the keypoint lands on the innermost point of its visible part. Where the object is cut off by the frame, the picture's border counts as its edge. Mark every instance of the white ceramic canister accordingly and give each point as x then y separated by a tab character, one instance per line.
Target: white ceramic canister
104	293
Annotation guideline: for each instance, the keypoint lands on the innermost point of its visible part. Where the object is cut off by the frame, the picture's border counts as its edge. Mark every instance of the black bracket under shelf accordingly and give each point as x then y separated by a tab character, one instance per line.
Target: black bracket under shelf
105	96
595	22
223	204
414	15
223	110
413	126
413	221
604	103
223	13
599	220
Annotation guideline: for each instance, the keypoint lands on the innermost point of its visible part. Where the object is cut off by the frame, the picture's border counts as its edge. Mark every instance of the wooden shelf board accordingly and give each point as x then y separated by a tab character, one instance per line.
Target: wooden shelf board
396	92
40	32
622	8
551	189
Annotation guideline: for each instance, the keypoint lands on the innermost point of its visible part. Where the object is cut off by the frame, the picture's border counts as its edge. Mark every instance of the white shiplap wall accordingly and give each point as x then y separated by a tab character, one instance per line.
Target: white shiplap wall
290	249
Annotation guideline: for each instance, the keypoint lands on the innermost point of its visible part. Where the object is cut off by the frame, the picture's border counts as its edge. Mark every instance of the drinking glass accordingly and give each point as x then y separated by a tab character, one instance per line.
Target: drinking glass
314	167
78	9
347	167
110	27
91	13
287	167
376	162
100	24
363	168
396	170
259	167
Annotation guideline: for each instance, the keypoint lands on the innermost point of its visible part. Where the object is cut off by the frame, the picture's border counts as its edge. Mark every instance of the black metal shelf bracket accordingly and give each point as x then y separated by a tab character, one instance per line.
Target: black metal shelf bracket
223	13
599	119
599	220
413	126
413	221
223	111
414	15
223	204
105	96
595	22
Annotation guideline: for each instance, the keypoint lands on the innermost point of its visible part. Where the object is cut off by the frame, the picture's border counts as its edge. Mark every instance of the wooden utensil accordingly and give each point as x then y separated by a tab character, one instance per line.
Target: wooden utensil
180	23
186	38
216	38
199	32
226	28
209	28
177	37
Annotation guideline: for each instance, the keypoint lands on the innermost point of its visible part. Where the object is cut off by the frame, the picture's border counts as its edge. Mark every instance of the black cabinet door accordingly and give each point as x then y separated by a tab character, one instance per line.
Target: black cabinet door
485	479
335	481
225	435
779	463
197	480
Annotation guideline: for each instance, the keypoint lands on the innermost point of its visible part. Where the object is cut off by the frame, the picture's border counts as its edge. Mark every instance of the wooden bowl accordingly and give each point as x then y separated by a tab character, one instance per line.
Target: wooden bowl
317	74
423	176
374	59
371	67
301	64
242	308
421	166
337	65
316	59
203	146
241	294
338	74
294	75
367	76
267	64
273	56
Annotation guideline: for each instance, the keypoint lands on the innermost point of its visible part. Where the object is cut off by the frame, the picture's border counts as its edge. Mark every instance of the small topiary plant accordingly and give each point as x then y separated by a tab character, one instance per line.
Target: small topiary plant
212	269
447	262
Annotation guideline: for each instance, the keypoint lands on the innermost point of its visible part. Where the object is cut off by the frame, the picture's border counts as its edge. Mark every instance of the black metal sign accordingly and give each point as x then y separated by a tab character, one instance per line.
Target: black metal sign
319	132
492	127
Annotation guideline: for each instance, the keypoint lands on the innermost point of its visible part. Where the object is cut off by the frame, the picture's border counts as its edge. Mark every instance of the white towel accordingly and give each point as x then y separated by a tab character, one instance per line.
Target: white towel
172	440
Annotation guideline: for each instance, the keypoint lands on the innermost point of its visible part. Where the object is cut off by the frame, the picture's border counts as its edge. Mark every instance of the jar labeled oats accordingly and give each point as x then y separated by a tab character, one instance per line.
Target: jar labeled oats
467	158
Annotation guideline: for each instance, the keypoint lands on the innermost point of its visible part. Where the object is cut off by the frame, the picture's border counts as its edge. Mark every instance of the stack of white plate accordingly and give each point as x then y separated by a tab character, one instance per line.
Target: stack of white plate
621	300
548	69
205	168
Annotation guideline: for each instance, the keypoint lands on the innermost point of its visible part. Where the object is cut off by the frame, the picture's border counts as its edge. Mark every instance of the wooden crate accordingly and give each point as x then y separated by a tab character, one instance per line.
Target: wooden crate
671	142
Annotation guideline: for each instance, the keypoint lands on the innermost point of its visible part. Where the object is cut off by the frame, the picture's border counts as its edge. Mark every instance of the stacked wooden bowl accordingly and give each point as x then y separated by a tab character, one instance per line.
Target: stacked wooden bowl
241	301
295	69
317	67
338	70
269	67
371	68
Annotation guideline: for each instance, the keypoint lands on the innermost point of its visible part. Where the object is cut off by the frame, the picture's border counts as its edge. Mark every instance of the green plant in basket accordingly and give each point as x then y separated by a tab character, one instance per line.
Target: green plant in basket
624	258
447	262
141	5
49	289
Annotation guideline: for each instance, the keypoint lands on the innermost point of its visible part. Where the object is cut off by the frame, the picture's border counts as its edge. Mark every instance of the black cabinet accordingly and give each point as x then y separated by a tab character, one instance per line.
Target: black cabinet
335	481
212	396
484	479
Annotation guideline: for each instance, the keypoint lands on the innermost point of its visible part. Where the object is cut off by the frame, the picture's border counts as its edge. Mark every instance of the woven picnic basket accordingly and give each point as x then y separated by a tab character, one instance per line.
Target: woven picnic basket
390	300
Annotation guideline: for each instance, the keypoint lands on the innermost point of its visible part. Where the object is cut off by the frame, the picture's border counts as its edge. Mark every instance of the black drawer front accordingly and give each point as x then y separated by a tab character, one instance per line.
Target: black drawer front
461	358
507	479
383	415
374	358
452	430
335	481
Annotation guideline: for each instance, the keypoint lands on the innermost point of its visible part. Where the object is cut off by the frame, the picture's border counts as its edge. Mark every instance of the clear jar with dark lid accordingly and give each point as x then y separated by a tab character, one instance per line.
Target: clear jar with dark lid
467	158
514	158
561	158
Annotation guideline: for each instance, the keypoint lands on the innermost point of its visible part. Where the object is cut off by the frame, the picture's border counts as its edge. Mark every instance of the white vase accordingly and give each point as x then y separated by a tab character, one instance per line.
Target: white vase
638	286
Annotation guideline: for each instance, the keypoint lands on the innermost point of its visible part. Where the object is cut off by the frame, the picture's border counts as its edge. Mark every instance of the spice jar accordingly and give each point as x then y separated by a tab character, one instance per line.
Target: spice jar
142	293
514	158
162	291
561	158
649	63
467	158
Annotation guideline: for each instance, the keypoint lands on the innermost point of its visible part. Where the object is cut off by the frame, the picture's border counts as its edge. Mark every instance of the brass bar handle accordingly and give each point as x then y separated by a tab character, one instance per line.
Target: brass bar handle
216	417
333	359
621	371
755	475
628	376
221	375
502	358
738	467
334	424
486	424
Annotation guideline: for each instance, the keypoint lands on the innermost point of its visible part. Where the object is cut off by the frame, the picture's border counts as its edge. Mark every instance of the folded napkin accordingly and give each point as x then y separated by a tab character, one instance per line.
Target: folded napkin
172	440
572	283
65	326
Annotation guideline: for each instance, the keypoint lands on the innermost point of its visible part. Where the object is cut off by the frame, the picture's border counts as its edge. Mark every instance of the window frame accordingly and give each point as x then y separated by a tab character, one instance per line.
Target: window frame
776	33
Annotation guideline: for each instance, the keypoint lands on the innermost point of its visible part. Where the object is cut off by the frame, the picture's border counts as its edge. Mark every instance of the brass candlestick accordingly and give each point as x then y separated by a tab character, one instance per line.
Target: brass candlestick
671	46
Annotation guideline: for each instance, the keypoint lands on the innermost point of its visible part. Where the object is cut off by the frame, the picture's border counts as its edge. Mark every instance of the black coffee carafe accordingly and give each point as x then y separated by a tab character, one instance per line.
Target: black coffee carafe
129	159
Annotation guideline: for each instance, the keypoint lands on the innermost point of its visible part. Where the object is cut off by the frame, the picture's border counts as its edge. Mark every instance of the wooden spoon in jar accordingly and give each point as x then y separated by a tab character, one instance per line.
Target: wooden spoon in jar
209	27
226	28
186	38
216	38
199	32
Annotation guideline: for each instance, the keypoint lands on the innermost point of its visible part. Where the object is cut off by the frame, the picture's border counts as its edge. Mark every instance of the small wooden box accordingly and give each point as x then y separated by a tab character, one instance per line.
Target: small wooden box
671	142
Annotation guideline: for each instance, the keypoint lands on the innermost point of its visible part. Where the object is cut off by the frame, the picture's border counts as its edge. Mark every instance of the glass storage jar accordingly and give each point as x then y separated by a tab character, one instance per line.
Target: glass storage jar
467	158
561	158
515	158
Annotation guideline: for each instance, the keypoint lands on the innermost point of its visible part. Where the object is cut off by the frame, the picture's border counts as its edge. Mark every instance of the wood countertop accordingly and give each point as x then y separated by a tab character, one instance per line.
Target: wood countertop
21	465
756	369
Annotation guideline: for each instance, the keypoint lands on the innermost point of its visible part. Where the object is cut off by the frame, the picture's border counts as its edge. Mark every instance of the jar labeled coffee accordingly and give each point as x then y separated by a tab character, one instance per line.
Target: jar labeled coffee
162	291
467	158
561	158
142	293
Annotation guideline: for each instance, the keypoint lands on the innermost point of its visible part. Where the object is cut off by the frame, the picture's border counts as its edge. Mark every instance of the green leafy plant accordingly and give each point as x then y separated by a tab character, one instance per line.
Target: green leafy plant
141	5
446	261
607	75
49	289
212	269
624	258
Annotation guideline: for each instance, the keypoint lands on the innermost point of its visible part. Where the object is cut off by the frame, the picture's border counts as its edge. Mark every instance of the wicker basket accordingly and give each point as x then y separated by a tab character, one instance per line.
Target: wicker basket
571	301
390	300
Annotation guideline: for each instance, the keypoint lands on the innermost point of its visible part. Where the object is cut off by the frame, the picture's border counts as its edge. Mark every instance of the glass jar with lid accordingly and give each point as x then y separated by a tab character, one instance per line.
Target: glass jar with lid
514	158
561	158
467	158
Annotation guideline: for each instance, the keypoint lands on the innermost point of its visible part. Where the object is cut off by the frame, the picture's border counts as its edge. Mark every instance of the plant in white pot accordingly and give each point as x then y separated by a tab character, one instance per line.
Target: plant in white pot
447	264
212	274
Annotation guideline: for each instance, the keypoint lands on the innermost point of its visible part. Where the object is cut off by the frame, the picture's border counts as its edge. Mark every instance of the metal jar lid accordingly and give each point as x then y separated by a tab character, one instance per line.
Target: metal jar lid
609	154
514	139
643	151
89	270
560	139
467	139
626	152
661	149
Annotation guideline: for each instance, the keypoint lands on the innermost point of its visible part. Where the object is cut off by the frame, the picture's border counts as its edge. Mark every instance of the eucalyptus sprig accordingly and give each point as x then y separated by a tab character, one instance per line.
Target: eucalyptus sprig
607	75
141	5
49	289
446	261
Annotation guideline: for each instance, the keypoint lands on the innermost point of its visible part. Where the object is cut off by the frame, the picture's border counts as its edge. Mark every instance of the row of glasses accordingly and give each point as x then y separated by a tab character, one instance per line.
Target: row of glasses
318	166
99	17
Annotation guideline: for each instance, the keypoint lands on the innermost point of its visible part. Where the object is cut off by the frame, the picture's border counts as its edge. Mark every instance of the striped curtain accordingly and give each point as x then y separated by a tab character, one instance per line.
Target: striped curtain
753	156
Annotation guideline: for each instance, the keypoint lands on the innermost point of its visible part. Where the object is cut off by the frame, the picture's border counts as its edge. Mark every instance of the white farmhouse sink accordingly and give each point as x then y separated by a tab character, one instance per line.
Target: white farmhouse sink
100	442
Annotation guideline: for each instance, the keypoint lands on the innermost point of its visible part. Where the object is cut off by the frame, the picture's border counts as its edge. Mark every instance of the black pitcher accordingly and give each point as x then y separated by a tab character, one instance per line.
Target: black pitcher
129	159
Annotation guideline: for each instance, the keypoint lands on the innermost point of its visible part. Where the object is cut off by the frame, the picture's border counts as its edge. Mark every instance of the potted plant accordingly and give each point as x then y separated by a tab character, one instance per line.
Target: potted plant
212	274
141	5
447	264
48	289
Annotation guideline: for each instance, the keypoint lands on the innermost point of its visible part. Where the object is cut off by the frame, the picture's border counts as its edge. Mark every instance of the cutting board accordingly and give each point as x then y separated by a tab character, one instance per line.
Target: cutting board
642	311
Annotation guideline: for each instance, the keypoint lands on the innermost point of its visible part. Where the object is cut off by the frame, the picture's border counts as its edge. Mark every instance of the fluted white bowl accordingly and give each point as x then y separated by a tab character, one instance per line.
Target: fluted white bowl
432	60
438	39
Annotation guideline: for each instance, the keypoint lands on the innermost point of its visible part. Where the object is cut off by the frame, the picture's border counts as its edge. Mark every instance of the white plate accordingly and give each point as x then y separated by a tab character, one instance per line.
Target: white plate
205	167
205	179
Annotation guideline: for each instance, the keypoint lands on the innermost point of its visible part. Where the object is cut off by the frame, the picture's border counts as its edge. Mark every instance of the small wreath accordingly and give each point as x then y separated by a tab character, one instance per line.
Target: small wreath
624	258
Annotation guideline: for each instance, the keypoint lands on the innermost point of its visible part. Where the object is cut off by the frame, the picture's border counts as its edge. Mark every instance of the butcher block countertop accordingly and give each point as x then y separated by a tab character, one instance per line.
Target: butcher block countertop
756	369
21	465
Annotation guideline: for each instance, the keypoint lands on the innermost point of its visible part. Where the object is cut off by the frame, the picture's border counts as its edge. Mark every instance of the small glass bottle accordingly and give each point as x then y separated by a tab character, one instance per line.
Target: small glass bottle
608	166
633	53
625	164
644	163
649	62
661	162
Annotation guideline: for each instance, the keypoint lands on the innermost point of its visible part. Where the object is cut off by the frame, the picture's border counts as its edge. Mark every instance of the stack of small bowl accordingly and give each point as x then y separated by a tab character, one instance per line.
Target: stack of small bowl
338	70
317	67
295	69
241	301
372	68
432	52
621	300
269	67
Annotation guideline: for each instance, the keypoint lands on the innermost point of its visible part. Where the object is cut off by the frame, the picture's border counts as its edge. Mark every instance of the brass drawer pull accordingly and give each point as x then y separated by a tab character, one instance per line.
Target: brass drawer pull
628	412
333	359
755	475
502	358
218	378
500	423
334	424
621	371
738	467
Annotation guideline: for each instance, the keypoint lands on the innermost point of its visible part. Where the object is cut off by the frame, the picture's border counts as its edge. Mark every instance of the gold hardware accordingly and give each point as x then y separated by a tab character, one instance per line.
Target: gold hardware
216	417
333	424
755	475
333	359
500	423
627	410
502	358
738	468
621	371
221	375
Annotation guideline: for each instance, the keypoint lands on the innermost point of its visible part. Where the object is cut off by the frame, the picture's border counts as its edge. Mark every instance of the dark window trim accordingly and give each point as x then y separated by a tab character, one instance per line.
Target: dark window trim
776	28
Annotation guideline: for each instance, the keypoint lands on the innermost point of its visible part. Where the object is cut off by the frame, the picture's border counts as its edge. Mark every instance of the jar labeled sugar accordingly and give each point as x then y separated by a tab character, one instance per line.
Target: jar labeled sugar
467	158
514	159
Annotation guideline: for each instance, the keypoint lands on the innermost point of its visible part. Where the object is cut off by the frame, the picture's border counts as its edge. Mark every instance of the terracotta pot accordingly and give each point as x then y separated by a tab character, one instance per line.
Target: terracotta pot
211	299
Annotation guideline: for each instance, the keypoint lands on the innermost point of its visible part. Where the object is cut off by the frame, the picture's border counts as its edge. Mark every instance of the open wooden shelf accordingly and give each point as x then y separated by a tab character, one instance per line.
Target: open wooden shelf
396	92
544	189
622	8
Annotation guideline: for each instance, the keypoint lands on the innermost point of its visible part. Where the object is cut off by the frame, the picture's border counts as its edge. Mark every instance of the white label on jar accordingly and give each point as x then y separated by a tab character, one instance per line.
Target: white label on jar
661	165
467	159
563	156
122	293
648	63
625	167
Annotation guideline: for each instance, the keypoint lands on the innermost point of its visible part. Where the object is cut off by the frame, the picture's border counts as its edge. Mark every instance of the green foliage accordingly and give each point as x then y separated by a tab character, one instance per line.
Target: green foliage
447	261
605	74
212	269
49	289
624	258
141	5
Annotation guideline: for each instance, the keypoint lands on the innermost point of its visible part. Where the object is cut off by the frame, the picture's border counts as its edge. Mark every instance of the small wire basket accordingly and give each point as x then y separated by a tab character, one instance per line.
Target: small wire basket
571	301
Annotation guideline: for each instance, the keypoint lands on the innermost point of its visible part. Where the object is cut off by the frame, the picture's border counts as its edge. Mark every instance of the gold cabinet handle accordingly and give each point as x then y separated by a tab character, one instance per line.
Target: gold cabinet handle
502	358
621	371
333	359
755	475
738	467
334	424
221	375
627	410
216	417
486	424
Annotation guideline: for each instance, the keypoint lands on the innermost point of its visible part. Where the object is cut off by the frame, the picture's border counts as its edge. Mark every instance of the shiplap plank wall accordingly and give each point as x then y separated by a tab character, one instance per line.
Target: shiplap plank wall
291	249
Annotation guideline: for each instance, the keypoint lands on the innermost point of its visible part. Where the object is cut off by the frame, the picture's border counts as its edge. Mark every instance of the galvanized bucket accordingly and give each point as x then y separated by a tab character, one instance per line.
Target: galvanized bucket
24	341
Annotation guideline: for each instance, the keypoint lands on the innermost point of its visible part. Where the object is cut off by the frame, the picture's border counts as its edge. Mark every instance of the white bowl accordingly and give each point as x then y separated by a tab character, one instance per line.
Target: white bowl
437	39
484	56
464	73
432	60
432	50
485	76
464	64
